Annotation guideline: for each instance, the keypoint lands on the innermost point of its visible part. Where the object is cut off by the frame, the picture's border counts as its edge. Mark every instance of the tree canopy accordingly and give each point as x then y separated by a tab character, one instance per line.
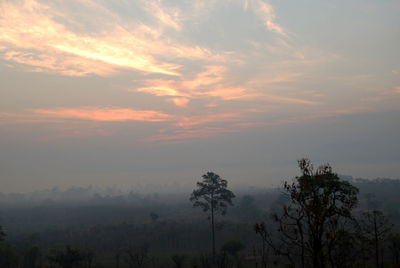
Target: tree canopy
319	205
212	195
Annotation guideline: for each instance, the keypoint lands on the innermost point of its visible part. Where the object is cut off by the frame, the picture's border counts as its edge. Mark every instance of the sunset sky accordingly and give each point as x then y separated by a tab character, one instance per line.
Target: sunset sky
130	93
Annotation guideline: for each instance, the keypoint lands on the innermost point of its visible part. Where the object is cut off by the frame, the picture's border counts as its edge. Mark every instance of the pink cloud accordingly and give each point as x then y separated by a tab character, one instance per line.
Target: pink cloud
181	102
30	27
103	114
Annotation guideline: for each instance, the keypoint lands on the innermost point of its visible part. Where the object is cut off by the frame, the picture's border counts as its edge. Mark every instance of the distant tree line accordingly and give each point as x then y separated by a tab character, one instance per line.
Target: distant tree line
317	220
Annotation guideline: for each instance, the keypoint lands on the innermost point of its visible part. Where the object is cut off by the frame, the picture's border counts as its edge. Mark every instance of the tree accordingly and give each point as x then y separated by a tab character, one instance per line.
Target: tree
69	258
31	258
2	234
395	248
376	228
212	195
318	205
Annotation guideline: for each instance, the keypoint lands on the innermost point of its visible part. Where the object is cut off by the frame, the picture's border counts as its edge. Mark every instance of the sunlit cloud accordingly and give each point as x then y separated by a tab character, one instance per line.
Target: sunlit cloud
181	102
103	114
169	54
212	75
160	87
67	65
209	83
213	82
168	17
32	26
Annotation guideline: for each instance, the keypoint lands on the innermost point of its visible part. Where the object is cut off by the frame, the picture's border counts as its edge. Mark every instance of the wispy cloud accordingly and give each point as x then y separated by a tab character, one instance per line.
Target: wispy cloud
214	82
31	35
209	83
267	13
174	58
168	17
103	114
185	135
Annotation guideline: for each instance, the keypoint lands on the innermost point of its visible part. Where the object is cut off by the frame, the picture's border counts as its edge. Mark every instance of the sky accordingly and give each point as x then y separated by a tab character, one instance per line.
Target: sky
151	92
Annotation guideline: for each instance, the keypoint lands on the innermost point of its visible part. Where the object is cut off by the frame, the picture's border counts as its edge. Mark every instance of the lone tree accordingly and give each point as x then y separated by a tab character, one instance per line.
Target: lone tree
317	212
212	195
376	229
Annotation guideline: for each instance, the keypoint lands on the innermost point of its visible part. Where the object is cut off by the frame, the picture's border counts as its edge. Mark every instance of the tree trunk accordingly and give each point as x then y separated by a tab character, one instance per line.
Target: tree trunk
212	228
376	244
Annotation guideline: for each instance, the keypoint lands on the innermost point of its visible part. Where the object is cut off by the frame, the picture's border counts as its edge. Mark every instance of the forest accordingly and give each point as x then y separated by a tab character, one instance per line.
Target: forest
318	219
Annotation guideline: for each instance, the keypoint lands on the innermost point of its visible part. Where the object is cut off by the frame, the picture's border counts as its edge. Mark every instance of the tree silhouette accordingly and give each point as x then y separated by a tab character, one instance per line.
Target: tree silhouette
212	195
31	258
2	234
319	204
69	258
376	228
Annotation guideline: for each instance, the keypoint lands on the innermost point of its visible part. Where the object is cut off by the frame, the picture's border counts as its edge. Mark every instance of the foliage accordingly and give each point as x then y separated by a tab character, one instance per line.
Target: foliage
319	203
376	228
394	247
109	224
8	257
69	258
2	234
31	258
212	195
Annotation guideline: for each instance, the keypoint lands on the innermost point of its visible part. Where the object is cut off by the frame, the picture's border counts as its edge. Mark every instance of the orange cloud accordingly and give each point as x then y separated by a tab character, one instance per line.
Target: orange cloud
68	65
181	102
31	26
166	17
212	75
159	87
103	114
208	83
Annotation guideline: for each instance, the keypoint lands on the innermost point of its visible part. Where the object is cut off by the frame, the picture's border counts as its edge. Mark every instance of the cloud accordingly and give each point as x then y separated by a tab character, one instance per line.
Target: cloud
208	83
191	121
267	13
167	17
67	65
184	135
213	82
181	102
41	36
103	114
